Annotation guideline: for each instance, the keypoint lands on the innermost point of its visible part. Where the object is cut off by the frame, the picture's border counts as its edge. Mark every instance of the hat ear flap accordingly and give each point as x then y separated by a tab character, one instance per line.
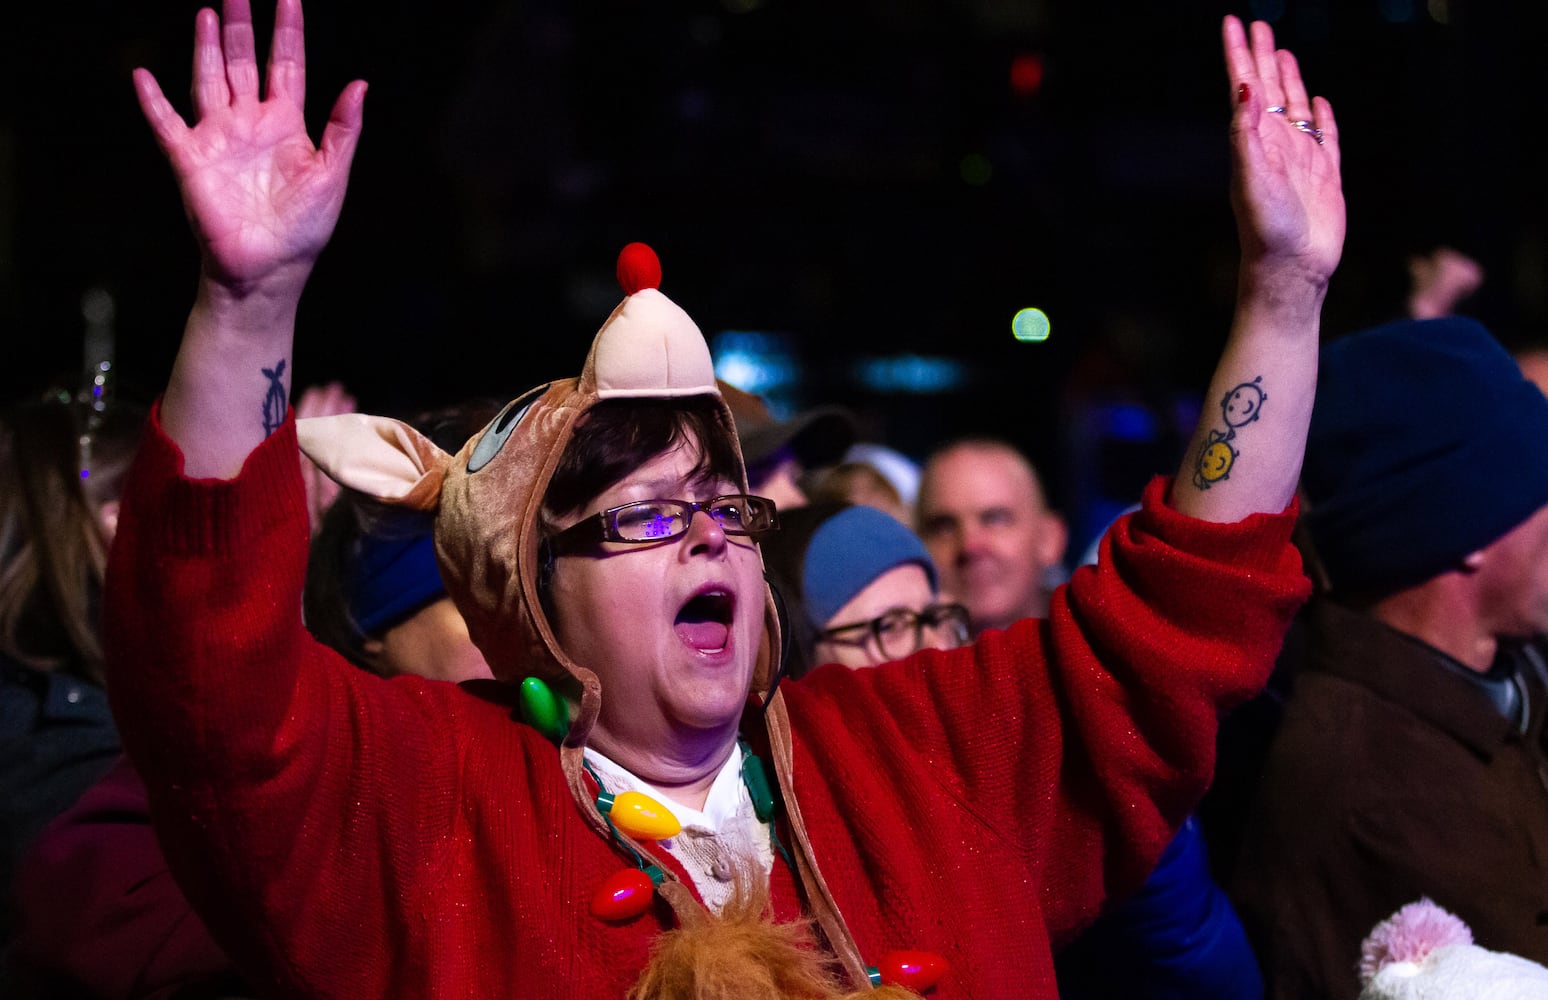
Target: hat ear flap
382	458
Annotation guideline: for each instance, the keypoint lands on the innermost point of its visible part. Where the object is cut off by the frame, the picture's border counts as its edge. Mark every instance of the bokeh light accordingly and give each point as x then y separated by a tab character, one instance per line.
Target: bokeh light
976	169
912	374
1397	11
1026	74
1030	326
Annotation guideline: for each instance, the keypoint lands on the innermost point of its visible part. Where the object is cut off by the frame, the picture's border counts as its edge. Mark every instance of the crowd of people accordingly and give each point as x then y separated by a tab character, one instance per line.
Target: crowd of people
626	687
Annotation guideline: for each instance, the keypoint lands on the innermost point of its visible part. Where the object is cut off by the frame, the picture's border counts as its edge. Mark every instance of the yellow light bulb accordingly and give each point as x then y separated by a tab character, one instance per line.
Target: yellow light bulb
643	818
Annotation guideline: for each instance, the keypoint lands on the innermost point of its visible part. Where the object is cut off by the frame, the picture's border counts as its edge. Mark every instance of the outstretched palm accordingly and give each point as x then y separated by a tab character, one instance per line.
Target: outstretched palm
261	198
1286	188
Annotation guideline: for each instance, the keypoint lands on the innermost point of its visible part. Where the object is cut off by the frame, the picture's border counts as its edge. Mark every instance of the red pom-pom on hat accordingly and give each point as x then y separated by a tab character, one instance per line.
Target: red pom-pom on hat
638	268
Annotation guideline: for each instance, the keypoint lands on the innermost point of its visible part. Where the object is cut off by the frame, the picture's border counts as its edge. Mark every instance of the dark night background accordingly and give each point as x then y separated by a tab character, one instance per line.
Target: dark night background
816	169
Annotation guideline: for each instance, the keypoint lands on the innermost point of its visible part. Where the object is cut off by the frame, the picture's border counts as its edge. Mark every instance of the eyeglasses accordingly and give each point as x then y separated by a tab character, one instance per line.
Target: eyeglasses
900	631
658	520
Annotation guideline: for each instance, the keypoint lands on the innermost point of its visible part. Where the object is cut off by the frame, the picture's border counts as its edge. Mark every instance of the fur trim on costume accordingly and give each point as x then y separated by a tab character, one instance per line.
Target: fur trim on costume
742	954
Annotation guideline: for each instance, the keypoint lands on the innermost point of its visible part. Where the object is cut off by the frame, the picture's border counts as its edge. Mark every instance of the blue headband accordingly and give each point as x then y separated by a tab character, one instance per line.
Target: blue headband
392	579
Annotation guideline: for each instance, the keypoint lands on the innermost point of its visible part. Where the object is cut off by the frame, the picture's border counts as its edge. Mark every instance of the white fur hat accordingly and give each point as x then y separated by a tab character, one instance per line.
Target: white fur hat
1422	952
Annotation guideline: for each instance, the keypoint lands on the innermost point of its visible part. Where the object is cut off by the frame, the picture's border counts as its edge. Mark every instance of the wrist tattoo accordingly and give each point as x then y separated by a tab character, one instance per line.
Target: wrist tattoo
274	400
1239	408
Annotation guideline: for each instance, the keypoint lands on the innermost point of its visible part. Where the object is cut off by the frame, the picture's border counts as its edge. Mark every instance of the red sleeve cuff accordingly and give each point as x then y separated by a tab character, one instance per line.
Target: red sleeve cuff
192	516
1258	541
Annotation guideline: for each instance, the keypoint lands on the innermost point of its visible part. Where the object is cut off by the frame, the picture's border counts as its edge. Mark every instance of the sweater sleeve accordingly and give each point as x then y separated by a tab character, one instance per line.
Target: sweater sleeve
1077	744
298	798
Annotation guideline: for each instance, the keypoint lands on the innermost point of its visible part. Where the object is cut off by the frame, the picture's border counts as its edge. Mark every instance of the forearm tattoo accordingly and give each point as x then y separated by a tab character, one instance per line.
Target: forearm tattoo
1239	408
274	399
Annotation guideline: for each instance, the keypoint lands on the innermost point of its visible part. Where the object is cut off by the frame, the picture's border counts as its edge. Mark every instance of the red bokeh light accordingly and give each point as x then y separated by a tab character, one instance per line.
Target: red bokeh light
1026	74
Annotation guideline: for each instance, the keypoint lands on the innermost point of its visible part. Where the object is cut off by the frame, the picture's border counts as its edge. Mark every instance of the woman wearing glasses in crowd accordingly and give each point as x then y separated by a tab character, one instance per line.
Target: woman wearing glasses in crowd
859	589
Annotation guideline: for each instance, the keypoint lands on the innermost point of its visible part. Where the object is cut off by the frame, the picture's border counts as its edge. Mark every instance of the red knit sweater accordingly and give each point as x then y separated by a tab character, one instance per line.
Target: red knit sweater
353	837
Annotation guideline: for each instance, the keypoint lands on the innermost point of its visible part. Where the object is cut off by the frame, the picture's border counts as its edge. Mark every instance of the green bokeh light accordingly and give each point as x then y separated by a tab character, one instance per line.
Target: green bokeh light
976	169
1030	326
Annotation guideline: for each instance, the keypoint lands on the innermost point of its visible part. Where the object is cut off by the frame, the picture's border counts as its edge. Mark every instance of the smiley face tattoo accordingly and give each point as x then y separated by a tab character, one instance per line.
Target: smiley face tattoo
1240	407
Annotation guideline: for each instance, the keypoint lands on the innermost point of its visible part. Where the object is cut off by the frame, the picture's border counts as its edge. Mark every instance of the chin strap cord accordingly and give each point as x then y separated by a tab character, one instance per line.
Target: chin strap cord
784	646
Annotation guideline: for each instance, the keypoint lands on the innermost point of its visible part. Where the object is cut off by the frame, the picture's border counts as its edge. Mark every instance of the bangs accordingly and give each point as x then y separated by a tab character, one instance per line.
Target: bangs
617	436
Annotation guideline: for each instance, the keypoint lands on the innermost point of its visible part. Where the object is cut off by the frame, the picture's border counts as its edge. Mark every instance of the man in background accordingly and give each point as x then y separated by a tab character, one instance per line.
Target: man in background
984	517
1410	758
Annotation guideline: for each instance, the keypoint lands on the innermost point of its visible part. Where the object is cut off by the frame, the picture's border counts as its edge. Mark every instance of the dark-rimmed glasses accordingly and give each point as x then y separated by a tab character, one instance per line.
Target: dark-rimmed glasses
646	521
899	632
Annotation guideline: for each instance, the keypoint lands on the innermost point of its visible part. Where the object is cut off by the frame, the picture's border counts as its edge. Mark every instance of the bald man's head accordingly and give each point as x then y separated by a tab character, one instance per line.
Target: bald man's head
983	515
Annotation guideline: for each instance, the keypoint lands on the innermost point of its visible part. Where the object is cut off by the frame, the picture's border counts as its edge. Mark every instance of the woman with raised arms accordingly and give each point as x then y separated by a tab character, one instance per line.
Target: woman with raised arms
683	825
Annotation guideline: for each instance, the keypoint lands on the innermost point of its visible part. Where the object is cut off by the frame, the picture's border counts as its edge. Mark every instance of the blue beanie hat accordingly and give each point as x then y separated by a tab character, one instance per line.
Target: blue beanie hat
848	551
1426	444
391	579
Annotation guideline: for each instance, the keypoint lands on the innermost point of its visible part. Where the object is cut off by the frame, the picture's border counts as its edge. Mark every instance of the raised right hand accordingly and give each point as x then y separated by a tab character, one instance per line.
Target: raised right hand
261	198
1286	188
263	201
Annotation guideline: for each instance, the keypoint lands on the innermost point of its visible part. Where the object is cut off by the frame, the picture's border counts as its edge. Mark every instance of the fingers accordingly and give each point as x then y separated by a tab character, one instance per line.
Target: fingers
165	122
1296	102
326	400
287	55
226	56
342	133
311	403
241	50
1246	94
209	65
1273	77
1322	114
1246	141
1268	65
1238	56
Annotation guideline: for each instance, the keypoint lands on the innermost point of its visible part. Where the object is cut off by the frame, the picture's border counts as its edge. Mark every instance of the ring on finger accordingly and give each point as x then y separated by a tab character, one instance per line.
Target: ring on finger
1307	127
1277	109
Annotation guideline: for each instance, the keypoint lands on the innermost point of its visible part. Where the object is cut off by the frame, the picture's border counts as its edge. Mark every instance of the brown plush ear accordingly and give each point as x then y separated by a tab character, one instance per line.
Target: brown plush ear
742	954
382	458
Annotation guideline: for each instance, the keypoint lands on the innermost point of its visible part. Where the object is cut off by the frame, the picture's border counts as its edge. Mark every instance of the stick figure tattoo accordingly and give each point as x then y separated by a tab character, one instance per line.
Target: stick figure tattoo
274	399
1239	408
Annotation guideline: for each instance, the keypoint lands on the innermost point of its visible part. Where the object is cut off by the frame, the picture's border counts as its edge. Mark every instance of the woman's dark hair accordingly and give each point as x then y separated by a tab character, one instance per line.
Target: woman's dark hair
56	474
617	436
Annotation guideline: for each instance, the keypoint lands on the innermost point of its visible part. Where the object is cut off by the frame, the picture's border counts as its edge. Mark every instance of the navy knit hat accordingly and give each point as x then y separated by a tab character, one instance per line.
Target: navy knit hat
1426	444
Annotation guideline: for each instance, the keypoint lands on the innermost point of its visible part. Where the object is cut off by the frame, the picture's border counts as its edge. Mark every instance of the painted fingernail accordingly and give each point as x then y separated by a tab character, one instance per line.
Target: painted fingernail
1242	94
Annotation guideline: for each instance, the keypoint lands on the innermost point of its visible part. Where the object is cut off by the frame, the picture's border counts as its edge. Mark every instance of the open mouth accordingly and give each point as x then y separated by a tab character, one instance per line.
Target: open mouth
704	623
